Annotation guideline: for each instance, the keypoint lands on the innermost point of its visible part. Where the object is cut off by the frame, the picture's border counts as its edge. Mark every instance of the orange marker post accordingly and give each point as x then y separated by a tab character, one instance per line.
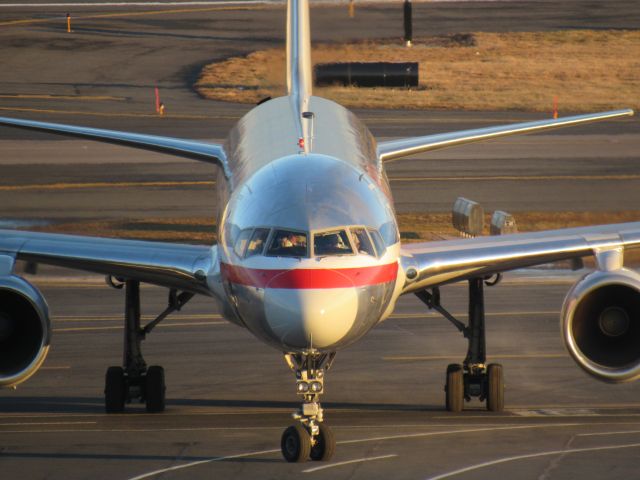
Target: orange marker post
161	111
68	23
157	101
555	107
352	8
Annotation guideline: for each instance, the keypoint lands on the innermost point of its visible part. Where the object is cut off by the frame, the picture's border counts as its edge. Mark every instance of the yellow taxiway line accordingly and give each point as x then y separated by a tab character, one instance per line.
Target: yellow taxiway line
58	18
117	115
466	314
411	358
515	178
33	96
76	186
119	327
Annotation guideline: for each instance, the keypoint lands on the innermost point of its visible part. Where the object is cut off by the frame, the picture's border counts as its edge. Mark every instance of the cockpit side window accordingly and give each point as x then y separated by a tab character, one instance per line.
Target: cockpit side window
335	242
389	232
377	241
362	242
257	242
242	241
286	243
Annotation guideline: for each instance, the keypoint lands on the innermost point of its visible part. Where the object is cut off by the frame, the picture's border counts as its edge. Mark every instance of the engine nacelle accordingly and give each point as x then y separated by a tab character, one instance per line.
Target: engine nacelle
601	324
25	330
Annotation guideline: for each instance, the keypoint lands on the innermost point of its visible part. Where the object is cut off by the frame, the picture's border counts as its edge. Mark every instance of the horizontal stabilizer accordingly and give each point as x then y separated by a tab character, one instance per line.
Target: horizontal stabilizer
205	152
394	149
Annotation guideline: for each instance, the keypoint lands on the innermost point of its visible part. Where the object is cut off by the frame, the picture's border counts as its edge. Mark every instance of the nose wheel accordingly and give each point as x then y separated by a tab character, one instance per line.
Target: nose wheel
309	438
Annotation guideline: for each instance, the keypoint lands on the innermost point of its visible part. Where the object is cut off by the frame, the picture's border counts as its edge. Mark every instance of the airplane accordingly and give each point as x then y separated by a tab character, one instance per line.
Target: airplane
309	257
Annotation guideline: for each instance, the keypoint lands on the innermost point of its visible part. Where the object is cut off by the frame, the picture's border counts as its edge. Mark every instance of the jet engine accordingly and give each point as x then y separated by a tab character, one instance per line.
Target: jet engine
601	324
24	330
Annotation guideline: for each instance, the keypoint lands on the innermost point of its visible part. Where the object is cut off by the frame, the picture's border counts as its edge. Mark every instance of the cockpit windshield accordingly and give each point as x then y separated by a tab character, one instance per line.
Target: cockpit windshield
335	242
362	241
354	240
287	243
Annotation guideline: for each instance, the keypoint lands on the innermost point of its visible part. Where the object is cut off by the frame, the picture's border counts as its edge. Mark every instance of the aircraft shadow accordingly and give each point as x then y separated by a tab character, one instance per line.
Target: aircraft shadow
23	404
106	456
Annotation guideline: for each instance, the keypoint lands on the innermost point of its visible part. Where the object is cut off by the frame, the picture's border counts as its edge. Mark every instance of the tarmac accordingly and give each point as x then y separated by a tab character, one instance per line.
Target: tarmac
230	397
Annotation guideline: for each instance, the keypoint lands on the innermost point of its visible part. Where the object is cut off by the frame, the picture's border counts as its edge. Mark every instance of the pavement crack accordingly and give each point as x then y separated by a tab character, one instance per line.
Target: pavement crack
554	463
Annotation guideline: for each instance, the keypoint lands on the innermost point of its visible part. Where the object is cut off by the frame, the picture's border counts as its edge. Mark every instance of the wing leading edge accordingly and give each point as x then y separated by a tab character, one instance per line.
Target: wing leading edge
184	267
202	151
394	149
431	264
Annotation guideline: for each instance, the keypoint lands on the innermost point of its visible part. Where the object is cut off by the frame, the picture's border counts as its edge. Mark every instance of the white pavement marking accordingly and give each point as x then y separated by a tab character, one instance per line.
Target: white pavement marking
193	464
362	440
622	432
455	432
348	462
531	455
139	4
23	424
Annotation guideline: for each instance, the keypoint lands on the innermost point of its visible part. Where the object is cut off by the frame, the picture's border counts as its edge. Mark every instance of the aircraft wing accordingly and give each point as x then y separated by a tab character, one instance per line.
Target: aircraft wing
202	151
184	267
394	149
431	264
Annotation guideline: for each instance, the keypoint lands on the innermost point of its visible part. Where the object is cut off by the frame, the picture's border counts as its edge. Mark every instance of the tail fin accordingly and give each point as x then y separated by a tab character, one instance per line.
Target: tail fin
299	77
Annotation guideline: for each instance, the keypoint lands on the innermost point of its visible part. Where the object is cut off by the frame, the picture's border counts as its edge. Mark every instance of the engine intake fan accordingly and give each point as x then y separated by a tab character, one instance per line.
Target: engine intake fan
24	330
601	325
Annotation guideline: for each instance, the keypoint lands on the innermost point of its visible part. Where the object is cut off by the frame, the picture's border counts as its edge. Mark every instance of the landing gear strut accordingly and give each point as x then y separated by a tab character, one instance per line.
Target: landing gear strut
136	381
474	378
309	437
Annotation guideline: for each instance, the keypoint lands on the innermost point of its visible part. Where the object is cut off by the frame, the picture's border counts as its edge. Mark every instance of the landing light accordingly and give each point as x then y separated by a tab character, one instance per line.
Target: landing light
316	387
302	387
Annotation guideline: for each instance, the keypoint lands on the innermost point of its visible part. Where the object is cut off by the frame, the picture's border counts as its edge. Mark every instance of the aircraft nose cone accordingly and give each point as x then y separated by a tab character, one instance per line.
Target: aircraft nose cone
319	316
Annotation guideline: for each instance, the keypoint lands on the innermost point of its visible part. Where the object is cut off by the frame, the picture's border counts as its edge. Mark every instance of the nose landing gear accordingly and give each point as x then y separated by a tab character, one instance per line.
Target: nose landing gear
309	438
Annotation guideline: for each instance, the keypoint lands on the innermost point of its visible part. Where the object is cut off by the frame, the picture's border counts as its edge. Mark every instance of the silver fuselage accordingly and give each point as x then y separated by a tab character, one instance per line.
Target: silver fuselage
334	180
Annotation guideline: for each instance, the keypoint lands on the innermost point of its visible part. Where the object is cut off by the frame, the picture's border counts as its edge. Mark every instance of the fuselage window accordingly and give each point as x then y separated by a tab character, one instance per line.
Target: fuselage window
377	241
362	242
286	243
242	241
332	243
257	242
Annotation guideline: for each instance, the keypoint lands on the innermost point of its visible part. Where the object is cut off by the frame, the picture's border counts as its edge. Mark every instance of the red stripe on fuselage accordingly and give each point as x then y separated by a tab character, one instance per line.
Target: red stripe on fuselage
305	278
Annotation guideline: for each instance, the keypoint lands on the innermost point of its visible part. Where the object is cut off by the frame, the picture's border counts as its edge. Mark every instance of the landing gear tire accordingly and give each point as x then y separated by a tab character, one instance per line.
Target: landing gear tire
115	390
154	389
296	444
495	388
325	445
454	388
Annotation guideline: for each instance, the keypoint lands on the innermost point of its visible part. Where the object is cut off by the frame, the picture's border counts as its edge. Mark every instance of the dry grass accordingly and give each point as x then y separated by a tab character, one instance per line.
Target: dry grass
587	70
435	226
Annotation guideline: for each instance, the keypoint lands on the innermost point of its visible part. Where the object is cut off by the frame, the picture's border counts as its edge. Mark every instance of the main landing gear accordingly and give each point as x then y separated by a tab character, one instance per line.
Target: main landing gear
136	381
308	438
472	378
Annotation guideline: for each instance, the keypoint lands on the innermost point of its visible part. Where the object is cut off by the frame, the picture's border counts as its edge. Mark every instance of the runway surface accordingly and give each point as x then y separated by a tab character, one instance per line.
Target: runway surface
229	396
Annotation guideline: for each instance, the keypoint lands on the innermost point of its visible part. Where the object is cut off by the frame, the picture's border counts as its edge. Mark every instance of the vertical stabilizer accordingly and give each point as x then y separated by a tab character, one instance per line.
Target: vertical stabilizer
299	77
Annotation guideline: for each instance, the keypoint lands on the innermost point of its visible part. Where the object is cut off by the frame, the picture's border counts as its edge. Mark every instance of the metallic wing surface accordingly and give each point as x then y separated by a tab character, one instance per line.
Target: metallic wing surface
205	152
430	264
394	149
185	267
